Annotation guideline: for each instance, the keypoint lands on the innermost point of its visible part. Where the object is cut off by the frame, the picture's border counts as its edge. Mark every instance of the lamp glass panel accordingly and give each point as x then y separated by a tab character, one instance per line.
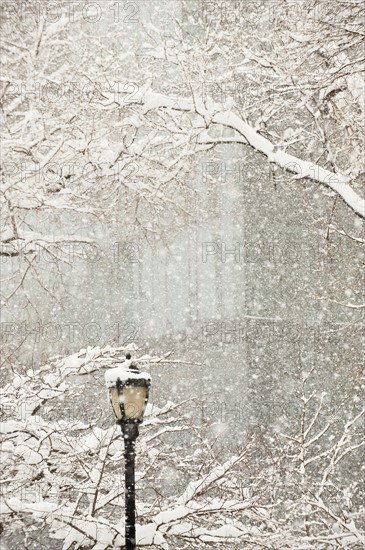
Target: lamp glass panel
134	399
114	398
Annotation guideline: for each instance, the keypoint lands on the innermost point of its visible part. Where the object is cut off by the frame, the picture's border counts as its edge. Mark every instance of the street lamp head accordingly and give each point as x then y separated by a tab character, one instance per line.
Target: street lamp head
129	392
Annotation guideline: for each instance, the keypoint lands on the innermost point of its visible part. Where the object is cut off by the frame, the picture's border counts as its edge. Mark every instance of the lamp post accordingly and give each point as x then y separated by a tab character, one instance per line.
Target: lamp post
129	390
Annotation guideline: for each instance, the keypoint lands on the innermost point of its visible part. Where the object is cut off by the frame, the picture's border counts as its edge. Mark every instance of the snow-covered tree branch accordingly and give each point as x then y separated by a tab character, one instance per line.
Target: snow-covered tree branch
211	115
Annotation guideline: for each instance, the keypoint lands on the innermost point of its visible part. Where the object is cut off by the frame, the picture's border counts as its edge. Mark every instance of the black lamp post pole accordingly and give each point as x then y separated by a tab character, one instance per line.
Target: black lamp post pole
130	433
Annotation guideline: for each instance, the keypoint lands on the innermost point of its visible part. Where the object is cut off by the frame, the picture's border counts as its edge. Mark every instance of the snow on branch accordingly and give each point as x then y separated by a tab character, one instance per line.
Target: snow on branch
211	114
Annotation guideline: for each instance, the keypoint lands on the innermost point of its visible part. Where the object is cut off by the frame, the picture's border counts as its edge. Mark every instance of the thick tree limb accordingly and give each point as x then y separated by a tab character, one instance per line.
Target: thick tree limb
339	183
